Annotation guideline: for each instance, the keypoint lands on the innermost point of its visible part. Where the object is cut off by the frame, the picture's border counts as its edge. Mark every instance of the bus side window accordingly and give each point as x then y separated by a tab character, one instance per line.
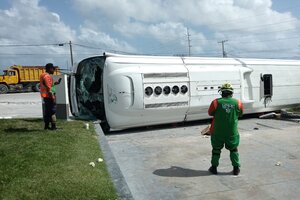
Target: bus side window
268	85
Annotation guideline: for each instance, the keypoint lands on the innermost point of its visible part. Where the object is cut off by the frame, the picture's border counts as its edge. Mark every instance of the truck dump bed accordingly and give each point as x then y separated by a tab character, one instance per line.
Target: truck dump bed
32	73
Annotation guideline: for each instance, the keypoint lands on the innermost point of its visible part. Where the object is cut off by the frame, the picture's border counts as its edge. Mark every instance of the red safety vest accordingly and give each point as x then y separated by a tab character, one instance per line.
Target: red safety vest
46	82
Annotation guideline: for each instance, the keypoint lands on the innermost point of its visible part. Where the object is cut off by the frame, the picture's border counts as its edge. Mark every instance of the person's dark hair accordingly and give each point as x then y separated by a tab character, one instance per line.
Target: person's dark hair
49	66
227	93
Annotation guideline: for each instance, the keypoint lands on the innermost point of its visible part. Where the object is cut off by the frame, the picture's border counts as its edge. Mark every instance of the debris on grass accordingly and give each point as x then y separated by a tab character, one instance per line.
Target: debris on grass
92	164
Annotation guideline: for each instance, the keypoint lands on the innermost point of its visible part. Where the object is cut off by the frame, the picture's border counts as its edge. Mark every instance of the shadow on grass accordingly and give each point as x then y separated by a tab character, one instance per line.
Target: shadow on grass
20	130
33	120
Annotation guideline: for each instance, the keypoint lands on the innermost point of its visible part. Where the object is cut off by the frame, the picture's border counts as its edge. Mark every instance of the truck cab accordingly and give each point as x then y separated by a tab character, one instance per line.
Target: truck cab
9	77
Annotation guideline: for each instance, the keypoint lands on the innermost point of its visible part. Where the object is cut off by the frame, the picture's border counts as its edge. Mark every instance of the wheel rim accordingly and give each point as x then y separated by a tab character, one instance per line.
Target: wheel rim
3	89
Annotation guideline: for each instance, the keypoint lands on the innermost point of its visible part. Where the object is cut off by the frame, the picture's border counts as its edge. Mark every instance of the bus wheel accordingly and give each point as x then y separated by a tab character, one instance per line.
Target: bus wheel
3	89
105	127
36	88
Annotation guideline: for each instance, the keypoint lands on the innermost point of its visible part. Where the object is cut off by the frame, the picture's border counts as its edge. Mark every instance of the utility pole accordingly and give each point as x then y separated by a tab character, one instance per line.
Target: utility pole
189	40
71	53
223	48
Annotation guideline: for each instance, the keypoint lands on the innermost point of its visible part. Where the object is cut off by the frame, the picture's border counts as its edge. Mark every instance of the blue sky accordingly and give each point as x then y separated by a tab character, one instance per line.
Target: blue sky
251	28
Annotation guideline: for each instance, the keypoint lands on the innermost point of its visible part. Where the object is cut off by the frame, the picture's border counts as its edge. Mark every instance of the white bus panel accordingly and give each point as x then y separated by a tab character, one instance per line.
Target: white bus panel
127	91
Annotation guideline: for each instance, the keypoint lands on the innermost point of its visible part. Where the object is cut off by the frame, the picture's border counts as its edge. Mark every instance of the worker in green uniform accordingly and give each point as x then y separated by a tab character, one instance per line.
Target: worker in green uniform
224	130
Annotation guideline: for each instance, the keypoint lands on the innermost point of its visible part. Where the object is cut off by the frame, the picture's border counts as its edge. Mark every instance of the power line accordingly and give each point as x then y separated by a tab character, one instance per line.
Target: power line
44	54
62	44
270	40
104	49
249	35
261	50
253	28
29	45
86	46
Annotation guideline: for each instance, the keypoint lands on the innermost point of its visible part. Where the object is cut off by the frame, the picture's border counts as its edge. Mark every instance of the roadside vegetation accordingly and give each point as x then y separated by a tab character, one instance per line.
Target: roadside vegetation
295	109
39	164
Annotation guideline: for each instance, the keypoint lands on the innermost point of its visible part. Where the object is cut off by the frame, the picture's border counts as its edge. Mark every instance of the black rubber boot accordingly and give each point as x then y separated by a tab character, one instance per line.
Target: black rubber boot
236	171
53	126
46	127
213	170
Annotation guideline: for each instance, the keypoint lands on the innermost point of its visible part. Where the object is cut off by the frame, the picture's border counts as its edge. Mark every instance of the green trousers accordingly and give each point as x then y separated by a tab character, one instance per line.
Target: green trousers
231	143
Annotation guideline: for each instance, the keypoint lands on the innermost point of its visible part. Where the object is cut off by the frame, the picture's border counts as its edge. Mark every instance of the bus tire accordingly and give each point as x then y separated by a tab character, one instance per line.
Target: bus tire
105	127
36	87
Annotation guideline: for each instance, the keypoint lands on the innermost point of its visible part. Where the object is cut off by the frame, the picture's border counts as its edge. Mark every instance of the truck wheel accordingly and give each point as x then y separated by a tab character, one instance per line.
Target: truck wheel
3	89
36	88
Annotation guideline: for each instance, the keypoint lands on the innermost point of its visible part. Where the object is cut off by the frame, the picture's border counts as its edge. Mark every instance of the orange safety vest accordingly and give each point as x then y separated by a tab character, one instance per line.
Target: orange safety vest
46	82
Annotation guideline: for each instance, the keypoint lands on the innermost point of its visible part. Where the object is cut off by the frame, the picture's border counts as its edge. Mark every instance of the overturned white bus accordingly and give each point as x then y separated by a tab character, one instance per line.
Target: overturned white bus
127	91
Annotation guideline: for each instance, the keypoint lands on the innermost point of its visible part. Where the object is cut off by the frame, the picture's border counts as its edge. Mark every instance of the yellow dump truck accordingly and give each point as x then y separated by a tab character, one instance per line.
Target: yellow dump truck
19	77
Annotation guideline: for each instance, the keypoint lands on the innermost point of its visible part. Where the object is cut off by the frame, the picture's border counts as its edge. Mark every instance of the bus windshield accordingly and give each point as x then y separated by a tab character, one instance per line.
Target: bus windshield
89	87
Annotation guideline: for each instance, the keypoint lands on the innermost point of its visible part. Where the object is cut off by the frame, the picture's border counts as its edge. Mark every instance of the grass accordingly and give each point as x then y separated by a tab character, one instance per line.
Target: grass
295	109
39	164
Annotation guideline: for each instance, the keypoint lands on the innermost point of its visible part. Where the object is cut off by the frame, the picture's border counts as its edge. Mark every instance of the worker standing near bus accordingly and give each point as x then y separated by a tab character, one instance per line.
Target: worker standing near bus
224	131
47	90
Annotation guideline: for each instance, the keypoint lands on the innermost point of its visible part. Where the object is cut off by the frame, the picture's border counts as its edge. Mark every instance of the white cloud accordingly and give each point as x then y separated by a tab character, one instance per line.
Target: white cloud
26	22
239	21
101	40
117	11
152	26
253	4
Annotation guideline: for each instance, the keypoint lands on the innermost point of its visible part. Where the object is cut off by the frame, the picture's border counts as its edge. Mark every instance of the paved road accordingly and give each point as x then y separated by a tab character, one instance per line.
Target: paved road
172	163
20	105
